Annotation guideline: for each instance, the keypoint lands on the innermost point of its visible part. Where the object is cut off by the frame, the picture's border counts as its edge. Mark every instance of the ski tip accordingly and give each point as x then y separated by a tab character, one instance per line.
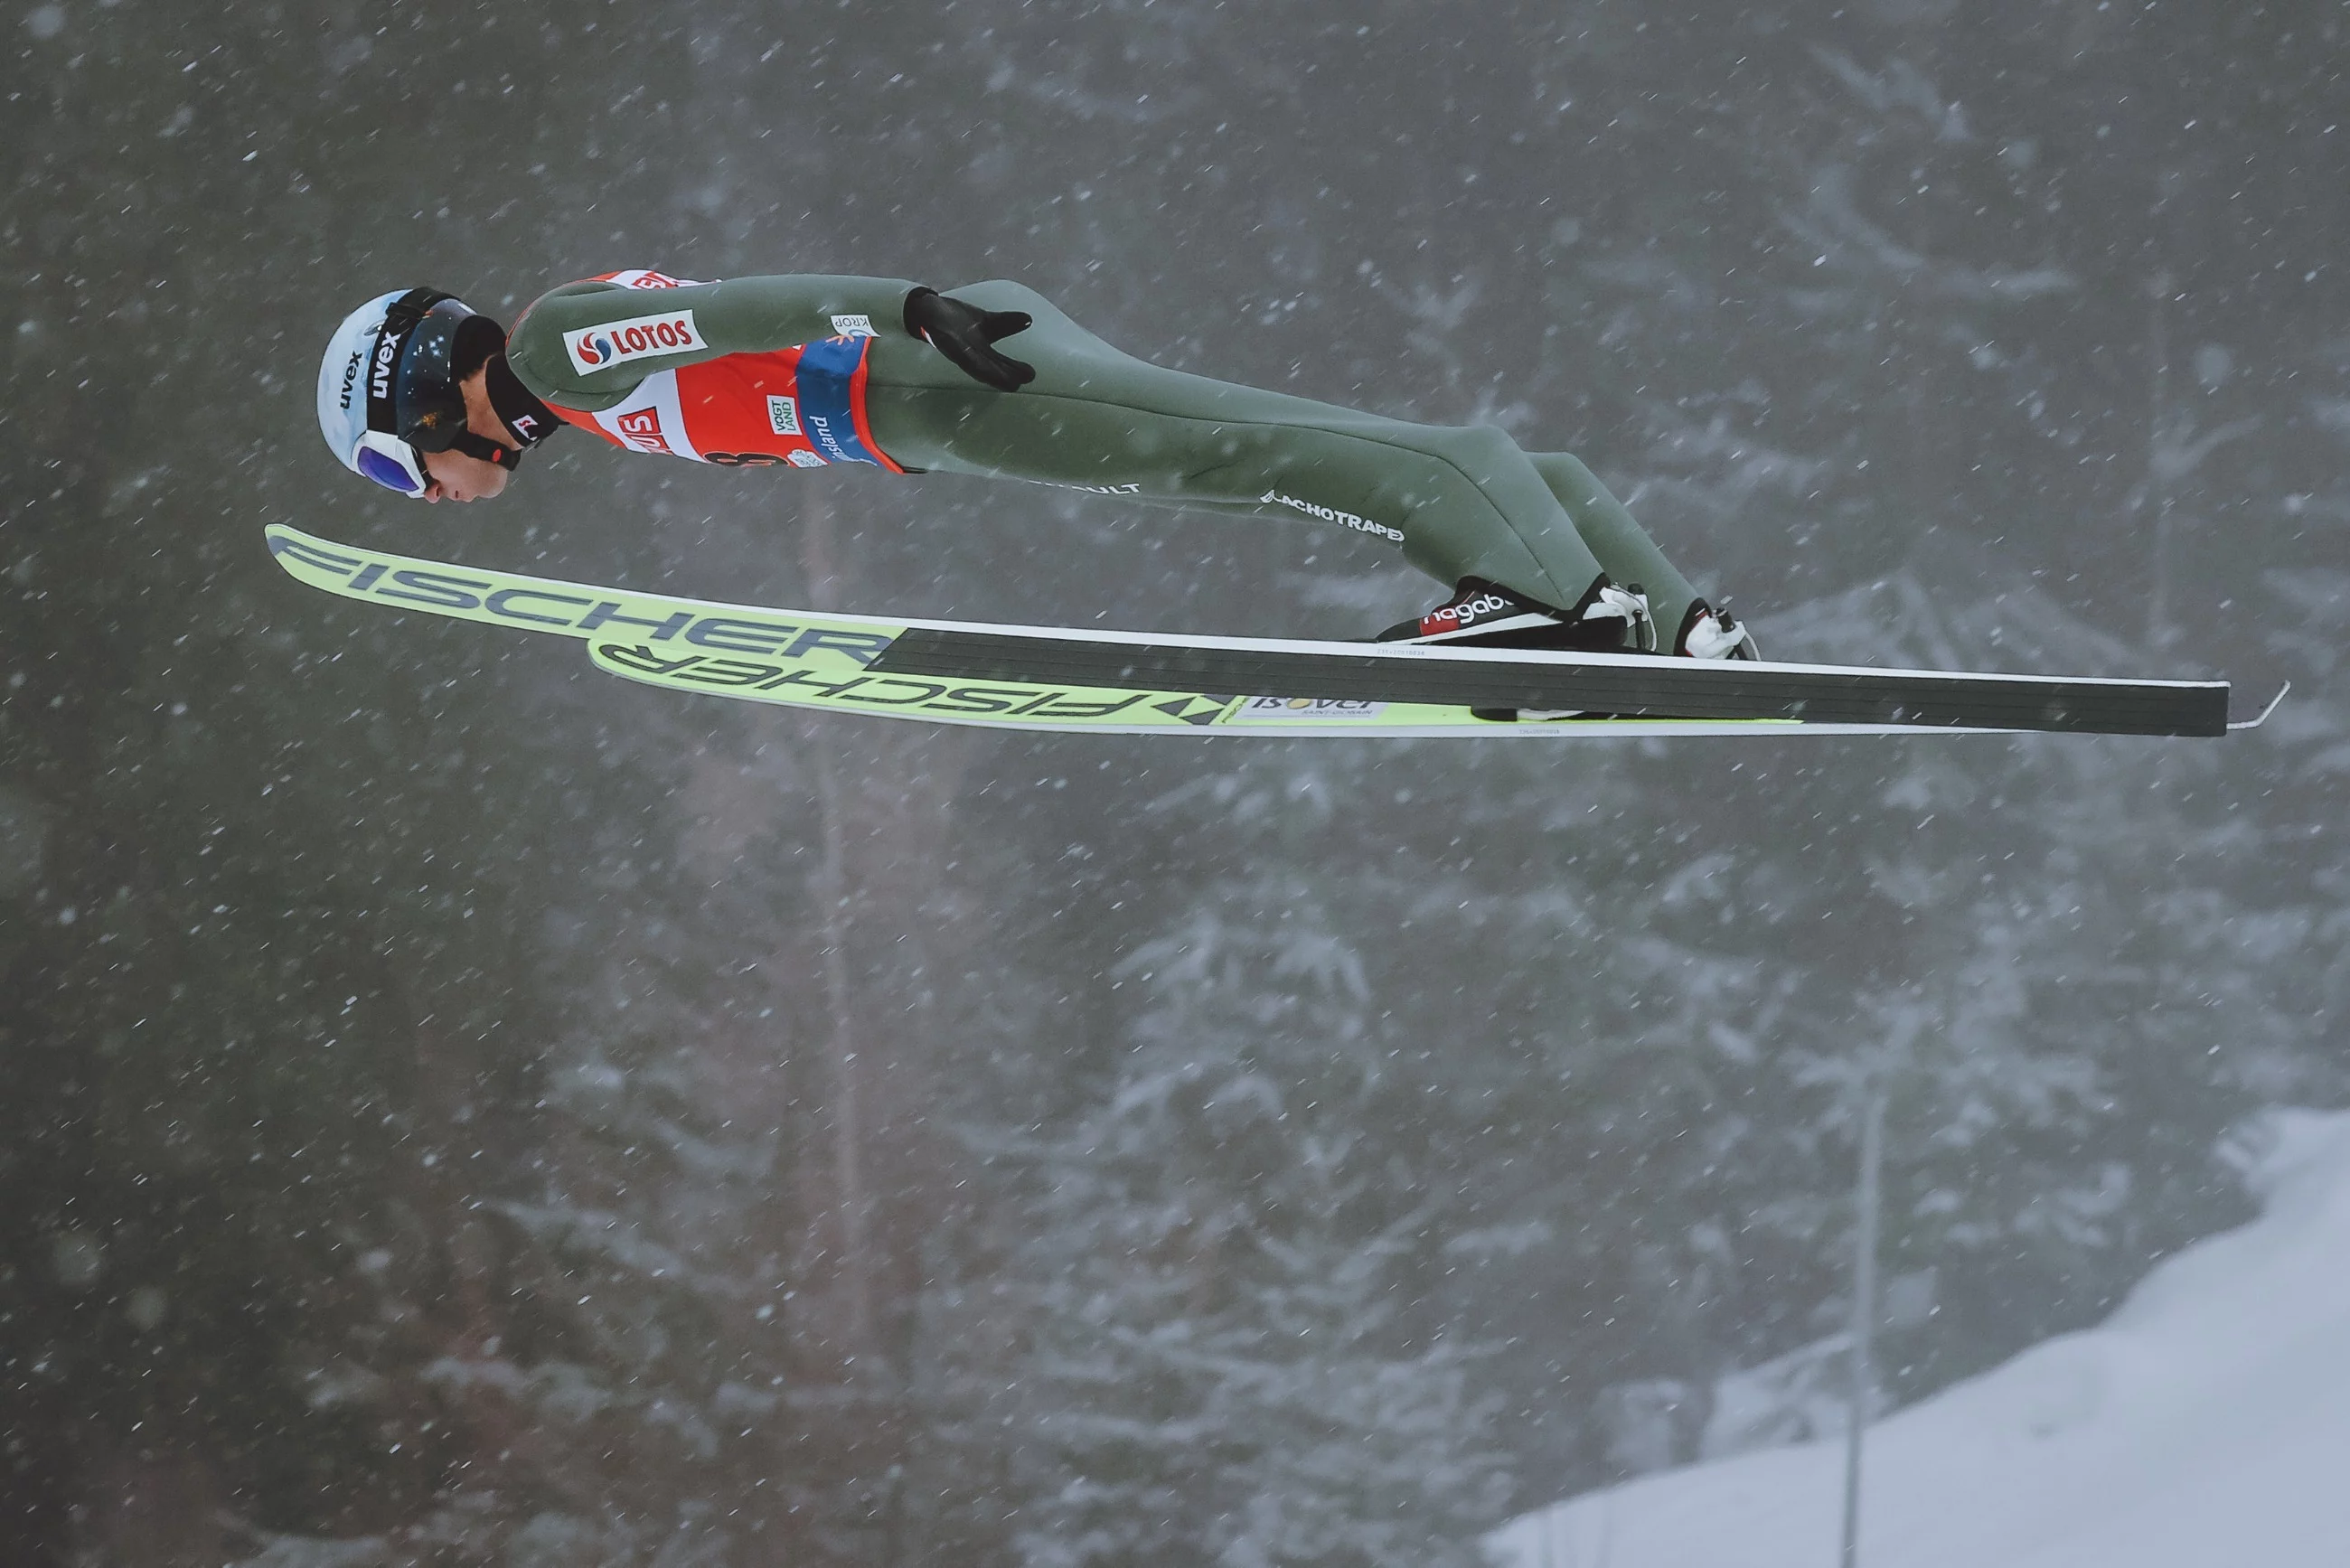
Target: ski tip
2257	720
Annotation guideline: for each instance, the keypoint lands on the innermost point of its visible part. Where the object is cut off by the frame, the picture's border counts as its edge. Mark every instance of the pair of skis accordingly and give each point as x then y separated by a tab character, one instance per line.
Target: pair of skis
1108	683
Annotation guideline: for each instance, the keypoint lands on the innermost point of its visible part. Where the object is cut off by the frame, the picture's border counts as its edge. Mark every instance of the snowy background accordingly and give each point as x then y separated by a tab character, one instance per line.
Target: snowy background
458	1109
2202	1423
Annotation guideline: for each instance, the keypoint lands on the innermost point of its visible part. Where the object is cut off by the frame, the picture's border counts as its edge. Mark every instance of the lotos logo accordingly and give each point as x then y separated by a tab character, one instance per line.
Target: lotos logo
594	348
642	430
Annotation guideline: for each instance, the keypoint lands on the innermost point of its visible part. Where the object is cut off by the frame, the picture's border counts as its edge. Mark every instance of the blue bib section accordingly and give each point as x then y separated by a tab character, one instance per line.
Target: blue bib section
827	370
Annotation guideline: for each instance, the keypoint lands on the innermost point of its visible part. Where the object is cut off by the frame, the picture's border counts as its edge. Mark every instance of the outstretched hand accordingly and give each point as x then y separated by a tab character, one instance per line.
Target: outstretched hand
966	335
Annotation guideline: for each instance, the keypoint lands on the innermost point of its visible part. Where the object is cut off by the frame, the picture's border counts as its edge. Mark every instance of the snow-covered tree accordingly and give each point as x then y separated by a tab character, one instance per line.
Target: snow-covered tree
1219	1370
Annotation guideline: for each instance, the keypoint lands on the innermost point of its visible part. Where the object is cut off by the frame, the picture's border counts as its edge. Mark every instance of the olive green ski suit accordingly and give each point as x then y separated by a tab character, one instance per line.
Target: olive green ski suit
1459	501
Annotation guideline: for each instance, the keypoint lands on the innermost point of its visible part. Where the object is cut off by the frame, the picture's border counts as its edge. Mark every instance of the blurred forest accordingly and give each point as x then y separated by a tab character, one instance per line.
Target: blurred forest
456	1108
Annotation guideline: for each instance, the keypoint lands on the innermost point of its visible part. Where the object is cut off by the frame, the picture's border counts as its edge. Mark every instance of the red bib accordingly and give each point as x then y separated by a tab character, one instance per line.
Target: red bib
802	406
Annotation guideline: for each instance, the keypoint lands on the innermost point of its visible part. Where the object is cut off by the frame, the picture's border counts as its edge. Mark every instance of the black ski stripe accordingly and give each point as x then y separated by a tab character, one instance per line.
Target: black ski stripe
1666	690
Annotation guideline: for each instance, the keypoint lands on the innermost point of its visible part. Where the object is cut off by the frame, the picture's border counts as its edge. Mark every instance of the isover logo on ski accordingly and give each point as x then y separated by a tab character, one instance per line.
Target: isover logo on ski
595	348
1306	708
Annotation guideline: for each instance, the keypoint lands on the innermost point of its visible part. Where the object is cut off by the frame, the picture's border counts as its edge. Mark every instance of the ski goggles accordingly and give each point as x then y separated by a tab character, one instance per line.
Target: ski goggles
390	463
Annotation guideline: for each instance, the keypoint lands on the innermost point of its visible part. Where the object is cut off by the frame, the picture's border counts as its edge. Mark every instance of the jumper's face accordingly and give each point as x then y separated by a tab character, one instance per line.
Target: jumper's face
454	475
457	477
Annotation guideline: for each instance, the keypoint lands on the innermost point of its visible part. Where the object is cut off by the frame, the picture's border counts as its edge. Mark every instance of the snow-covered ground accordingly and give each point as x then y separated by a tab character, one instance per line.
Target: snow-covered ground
2206	1422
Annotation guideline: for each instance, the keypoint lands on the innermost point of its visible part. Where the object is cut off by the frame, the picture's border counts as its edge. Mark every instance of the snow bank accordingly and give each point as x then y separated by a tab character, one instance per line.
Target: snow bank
2208	1421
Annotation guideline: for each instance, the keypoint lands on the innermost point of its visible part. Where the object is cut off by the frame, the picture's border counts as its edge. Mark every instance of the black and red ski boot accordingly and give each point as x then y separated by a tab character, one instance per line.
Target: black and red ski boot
1483	614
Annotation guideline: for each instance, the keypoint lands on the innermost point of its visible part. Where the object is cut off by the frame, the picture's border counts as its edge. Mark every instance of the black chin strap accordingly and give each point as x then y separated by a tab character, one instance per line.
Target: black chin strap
486	450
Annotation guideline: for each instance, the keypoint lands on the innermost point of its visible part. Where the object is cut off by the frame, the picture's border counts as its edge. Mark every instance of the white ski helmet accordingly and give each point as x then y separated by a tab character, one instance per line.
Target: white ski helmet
387	393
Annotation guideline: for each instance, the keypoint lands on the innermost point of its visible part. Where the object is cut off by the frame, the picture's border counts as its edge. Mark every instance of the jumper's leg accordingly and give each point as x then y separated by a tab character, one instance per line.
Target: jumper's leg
1459	501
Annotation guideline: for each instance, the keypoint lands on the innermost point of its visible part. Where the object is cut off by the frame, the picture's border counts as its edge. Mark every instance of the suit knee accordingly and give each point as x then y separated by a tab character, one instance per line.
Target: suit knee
1477	449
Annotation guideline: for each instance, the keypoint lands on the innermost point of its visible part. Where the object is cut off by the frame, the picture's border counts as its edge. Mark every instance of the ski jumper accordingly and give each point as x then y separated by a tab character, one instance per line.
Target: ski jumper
812	371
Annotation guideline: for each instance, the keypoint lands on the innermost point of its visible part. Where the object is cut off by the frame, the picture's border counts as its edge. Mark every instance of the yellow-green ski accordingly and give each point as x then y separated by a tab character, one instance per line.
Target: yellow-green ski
1041	677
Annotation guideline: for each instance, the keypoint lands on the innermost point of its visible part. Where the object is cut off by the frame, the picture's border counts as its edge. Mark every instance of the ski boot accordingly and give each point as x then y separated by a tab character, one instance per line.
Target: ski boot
1709	633
1608	619
1706	633
1483	614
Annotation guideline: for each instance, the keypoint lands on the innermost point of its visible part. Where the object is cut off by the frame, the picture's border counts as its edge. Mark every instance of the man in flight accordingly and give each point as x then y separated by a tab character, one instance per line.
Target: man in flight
423	395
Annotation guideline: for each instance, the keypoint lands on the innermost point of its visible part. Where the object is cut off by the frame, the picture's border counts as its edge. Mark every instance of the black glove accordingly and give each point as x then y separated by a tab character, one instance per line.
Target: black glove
965	334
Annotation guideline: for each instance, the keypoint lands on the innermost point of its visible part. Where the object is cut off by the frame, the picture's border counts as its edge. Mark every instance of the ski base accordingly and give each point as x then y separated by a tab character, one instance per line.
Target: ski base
1034	678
